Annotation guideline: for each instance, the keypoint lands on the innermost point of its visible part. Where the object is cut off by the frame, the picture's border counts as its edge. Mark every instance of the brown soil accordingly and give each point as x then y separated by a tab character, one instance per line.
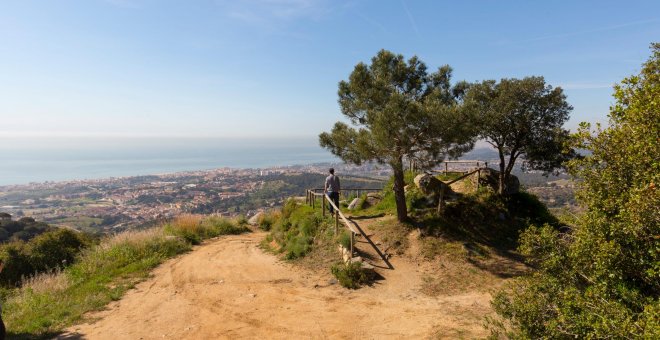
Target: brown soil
230	288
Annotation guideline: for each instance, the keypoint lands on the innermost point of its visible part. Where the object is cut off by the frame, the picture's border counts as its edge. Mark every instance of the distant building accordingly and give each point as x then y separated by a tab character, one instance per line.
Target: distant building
5	217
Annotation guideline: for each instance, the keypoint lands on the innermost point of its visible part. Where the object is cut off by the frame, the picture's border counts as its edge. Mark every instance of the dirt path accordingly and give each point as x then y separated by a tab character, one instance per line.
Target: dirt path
229	288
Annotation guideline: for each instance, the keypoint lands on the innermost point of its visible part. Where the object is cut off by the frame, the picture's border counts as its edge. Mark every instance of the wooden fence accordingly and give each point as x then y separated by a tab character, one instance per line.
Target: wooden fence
352	227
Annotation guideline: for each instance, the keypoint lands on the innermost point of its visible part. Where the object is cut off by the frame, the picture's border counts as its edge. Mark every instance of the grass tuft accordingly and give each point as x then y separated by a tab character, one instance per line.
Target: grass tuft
351	275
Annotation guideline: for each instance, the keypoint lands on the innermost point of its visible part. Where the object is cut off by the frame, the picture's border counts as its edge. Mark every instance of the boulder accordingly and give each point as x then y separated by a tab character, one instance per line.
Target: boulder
254	220
372	199
429	184
353	203
490	177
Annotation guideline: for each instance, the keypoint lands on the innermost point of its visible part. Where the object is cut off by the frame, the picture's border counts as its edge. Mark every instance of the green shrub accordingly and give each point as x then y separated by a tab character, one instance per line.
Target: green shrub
48	251
602	278
345	239
56	249
350	275
296	227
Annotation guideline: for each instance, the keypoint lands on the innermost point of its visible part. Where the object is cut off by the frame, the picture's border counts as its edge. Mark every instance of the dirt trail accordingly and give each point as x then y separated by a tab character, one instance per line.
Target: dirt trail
229	288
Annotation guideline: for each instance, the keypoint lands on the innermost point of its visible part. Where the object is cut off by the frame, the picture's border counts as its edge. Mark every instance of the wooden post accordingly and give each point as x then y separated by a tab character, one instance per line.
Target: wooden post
478	178
313	194
446	168
336	222
352	242
323	203
441	202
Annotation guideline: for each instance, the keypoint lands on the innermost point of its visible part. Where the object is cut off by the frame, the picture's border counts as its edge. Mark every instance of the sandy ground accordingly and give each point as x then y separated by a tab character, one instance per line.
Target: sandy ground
229	288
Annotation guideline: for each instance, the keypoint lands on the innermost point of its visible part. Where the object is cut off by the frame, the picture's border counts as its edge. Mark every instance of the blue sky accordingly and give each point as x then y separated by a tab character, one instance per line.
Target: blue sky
270	68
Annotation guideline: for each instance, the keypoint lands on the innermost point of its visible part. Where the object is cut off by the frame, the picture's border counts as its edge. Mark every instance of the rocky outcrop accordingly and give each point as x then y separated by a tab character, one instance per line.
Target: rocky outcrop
428	184
354	203
254	220
490	178
372	199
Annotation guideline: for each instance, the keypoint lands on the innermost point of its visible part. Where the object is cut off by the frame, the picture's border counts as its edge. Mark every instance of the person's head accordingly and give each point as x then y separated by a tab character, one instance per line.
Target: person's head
332	171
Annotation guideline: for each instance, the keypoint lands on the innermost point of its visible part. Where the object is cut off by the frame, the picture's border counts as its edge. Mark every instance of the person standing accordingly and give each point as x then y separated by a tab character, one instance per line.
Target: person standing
332	188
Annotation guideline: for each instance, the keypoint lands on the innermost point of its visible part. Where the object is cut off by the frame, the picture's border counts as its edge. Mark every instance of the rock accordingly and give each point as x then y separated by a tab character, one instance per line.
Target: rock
372	199
353	203
490	177
428	184
254	220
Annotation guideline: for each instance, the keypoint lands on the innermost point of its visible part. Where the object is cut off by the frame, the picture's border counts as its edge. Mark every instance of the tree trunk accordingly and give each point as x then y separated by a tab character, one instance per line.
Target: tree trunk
399	193
502	178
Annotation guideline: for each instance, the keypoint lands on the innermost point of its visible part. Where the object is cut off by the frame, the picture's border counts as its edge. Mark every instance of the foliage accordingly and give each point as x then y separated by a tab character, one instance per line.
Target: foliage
23	229
48	251
399	112
522	118
297	228
345	239
602	279
350	275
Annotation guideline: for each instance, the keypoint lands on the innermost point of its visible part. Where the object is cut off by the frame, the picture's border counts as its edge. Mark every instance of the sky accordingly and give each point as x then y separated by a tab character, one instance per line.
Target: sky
270	68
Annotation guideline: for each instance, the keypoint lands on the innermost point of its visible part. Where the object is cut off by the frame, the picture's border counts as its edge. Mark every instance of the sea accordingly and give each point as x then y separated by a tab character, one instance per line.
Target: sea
38	159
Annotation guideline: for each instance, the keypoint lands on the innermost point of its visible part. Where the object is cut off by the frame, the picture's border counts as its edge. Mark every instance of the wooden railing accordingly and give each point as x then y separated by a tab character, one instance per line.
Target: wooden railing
441	202
352	227
477	163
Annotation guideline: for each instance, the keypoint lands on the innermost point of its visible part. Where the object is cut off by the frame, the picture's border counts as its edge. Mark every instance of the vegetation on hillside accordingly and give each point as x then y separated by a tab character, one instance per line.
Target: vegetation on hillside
96	273
601	279
296	230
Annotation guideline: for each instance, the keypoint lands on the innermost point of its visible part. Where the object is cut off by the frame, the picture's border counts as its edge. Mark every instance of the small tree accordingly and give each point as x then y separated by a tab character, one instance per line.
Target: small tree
522	117
601	280
399	112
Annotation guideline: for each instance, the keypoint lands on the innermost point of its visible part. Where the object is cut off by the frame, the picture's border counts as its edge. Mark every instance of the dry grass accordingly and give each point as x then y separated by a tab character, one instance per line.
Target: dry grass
51	281
133	237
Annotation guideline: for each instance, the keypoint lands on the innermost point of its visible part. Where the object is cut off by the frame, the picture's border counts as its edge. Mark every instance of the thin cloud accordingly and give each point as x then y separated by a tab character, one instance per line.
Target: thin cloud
577	33
585	86
267	11
410	17
373	23
123	3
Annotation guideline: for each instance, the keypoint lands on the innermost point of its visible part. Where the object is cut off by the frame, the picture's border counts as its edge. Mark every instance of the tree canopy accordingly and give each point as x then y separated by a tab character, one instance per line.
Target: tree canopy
602	279
521	118
398	111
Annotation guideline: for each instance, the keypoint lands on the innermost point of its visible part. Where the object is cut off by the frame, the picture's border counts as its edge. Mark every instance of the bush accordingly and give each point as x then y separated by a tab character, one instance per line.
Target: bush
350	275
48	251
56	249
266	220
601	279
345	239
295	229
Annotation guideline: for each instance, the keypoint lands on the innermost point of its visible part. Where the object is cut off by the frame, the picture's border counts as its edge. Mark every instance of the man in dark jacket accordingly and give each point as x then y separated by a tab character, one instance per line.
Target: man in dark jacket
332	188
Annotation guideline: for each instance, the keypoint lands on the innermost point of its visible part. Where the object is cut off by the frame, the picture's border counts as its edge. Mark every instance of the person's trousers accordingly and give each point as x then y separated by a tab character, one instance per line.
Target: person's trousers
334	196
